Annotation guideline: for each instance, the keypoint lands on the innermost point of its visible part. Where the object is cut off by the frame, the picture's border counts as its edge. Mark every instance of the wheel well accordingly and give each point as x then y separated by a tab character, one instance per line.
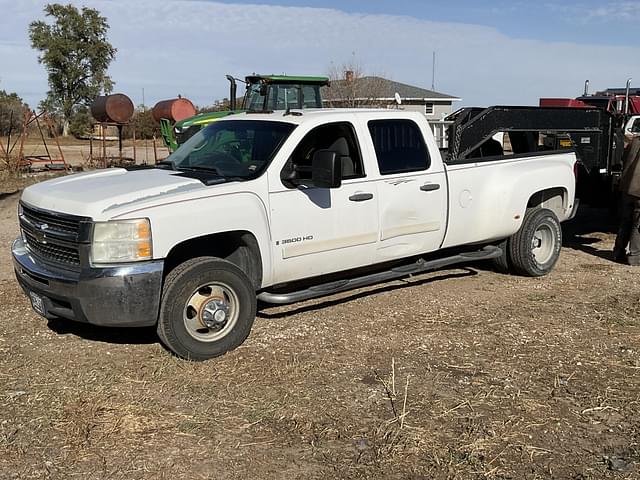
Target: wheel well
238	247
553	198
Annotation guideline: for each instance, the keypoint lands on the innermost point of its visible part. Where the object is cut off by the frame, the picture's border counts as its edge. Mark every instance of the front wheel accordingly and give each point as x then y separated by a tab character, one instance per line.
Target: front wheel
535	248
208	308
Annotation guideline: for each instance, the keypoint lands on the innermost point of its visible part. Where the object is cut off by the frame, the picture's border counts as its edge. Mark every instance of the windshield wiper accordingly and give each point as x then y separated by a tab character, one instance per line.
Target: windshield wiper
166	163
202	168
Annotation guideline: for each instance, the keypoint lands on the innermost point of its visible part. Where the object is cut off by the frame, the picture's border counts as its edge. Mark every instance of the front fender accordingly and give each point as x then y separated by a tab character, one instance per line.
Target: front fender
177	222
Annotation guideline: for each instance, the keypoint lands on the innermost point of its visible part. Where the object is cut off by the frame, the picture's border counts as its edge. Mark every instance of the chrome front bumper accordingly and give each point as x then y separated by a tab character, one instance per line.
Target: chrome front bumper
118	296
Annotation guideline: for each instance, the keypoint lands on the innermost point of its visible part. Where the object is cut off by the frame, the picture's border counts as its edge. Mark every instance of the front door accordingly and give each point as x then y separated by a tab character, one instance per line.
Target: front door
316	231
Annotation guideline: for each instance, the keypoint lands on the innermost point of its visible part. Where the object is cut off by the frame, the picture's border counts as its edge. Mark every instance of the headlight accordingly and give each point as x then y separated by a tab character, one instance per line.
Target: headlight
121	241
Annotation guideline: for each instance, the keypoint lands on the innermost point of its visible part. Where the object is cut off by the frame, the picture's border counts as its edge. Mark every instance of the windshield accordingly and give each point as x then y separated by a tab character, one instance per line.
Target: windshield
281	96
232	148
254	98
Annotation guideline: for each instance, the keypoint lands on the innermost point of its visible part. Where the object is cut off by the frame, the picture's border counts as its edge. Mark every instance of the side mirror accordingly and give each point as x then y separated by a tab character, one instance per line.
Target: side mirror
326	169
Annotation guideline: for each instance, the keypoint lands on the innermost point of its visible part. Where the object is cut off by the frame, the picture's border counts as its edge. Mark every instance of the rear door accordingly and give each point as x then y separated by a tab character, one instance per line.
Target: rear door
412	190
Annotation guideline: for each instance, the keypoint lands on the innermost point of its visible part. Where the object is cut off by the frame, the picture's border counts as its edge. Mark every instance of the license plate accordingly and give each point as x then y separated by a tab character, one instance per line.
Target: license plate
37	303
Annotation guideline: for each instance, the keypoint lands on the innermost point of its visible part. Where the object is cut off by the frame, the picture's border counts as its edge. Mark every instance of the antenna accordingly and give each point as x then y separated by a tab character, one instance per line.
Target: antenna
433	72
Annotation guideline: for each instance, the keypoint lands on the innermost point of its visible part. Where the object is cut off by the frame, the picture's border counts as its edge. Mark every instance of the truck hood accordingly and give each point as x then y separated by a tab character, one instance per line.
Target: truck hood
93	194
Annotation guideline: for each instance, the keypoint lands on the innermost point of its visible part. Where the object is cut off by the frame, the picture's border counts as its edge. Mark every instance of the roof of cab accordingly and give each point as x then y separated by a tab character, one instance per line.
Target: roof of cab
288	79
310	114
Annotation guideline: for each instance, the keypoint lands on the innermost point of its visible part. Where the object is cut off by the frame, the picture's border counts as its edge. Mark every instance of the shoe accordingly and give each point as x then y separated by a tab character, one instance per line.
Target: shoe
634	260
619	257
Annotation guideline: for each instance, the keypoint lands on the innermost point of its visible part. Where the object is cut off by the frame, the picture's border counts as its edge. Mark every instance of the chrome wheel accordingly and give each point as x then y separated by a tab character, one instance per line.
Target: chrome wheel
211	312
543	244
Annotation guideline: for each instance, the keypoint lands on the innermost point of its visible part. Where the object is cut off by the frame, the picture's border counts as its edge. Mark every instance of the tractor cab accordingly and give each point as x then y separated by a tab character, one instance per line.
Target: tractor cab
264	93
267	93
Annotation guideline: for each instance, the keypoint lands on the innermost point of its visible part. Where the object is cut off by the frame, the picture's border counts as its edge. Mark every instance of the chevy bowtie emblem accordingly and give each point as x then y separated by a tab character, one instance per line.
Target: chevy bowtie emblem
43	226
40	237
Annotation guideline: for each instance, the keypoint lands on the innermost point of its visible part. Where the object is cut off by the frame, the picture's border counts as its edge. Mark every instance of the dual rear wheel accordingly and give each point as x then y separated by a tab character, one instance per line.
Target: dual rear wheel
534	249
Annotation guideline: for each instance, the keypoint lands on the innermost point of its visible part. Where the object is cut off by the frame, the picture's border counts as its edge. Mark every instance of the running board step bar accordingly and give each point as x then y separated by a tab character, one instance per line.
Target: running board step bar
419	266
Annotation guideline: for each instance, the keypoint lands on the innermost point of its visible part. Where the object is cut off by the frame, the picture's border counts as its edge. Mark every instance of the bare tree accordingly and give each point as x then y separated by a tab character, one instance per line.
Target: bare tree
351	87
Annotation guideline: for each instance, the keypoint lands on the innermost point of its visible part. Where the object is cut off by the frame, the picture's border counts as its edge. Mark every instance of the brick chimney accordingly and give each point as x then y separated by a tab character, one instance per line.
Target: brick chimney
348	76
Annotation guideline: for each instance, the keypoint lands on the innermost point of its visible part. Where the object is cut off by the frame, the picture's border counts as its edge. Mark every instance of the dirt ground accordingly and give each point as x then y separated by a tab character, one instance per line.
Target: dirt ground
457	374
83	153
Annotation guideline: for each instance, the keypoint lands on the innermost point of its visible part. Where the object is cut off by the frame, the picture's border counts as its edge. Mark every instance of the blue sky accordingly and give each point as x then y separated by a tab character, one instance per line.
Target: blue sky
495	52
598	22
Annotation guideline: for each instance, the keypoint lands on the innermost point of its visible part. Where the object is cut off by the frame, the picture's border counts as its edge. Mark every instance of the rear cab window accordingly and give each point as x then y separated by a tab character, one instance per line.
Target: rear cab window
399	146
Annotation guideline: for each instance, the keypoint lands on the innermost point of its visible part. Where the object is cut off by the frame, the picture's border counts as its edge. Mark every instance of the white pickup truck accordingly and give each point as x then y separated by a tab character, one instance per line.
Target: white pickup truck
632	127
279	207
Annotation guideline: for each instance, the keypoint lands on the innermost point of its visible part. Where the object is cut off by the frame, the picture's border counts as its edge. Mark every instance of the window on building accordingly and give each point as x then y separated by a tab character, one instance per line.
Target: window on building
399	146
428	108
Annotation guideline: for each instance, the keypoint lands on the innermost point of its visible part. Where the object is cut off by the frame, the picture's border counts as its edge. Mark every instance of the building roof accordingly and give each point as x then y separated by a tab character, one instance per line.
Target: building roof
386	89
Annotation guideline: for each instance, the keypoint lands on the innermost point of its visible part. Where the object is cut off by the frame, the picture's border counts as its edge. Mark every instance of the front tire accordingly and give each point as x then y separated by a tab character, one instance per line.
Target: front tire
535	248
208	308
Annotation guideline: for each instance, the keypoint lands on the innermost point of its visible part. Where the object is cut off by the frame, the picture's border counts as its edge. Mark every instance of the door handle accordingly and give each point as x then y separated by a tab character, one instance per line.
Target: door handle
430	187
361	197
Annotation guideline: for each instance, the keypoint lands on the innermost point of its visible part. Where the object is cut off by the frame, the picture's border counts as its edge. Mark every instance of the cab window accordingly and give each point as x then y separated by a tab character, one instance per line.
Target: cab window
399	146
339	137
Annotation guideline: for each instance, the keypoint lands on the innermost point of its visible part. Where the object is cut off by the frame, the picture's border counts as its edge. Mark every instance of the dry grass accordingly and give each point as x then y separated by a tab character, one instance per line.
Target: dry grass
461	374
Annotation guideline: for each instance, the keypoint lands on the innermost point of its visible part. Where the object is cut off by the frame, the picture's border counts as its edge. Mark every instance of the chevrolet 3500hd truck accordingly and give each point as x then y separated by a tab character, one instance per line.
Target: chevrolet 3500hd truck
280	207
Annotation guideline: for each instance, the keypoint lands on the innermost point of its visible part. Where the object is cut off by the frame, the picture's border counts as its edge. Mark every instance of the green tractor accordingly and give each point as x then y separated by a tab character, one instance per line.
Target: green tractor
264	93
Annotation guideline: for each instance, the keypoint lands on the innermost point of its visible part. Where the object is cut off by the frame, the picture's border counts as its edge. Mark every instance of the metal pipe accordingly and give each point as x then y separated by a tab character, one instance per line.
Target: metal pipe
155	150
10	131
52	127
419	266
586	88
233	87
120	129
626	98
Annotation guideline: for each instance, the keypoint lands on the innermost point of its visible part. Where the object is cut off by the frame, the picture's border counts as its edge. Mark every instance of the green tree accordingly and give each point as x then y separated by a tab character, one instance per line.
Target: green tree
76	54
143	123
218	106
81	122
12	111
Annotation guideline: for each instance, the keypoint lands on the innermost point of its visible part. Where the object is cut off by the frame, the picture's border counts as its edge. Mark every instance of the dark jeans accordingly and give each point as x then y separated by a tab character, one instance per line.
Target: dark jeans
629	230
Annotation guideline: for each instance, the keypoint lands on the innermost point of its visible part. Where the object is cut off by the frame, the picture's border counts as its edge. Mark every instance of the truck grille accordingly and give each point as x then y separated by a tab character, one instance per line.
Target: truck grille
54	237
63	224
51	250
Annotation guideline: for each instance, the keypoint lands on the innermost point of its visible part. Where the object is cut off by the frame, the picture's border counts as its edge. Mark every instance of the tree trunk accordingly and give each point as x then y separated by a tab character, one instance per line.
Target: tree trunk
65	128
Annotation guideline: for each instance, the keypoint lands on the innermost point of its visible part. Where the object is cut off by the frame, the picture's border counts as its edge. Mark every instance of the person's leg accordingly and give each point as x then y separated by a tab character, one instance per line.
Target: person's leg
634	234
624	230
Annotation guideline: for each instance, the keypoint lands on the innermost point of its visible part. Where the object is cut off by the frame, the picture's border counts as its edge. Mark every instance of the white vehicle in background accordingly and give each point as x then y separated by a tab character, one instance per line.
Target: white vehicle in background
280	207
632	127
